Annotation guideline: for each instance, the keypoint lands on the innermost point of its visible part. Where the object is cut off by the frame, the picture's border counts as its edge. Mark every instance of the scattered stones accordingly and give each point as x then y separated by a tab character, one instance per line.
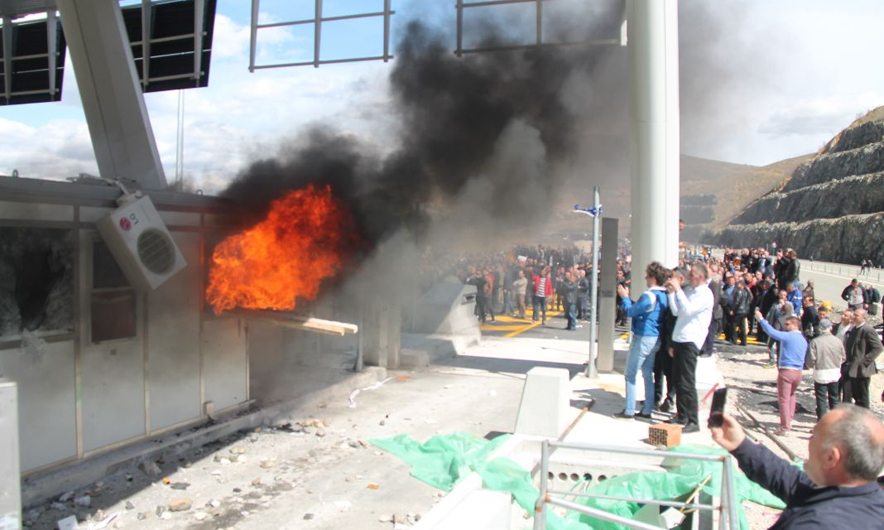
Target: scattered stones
237	490
58	506
199	516
85	501
129	505
66	497
382	423
160	510
266	463
320	433
343	506
308	516
188	465
149	468
166	516
223	460
179	485
214	503
180	505
354	444
386	518
238	451
99	516
256	481
141	516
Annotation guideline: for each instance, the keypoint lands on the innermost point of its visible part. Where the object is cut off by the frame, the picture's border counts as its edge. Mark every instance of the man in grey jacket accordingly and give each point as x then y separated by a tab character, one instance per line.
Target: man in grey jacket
863	346
826	357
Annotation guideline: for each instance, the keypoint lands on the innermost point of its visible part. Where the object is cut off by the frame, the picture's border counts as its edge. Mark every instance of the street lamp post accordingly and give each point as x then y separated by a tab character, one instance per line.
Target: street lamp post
595	212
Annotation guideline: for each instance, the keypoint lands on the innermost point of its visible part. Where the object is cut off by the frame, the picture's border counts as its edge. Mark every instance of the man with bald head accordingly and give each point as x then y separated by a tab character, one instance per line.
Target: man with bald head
863	346
837	489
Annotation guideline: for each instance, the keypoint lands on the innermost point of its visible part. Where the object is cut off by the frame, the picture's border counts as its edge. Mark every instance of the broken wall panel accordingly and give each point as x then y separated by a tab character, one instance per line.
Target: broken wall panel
36	281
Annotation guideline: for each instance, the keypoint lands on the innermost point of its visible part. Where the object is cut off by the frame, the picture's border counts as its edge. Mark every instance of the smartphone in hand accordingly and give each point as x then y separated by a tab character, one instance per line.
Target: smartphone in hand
719	398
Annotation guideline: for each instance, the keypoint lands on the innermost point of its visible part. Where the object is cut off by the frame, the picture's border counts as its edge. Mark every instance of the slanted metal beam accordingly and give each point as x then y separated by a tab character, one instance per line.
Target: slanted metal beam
117	117
387	13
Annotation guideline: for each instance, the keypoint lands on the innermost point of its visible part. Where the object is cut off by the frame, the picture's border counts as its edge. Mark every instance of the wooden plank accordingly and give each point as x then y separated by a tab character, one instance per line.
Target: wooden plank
288	320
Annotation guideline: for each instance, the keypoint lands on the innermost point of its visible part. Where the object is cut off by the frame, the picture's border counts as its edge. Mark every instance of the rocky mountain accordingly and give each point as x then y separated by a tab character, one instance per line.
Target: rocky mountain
830	208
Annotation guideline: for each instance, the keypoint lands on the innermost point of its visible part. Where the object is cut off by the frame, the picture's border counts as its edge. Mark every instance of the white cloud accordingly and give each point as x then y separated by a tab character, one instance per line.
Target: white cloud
815	116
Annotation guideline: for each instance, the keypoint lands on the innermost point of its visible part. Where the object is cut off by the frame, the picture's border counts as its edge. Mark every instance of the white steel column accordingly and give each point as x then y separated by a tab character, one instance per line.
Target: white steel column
120	128
655	146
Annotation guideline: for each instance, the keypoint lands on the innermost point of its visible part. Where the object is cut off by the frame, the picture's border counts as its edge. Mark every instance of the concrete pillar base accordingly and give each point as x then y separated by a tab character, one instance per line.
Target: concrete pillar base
545	402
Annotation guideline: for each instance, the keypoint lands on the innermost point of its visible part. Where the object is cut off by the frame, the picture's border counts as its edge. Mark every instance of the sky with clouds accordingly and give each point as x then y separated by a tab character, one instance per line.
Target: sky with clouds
821	70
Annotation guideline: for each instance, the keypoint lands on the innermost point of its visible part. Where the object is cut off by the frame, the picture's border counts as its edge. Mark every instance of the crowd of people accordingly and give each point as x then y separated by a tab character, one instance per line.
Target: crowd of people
747	292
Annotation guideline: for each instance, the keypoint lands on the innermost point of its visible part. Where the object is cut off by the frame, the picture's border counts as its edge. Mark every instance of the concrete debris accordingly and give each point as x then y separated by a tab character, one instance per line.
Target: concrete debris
160	510
58	506
216	473
256	482
149	468
166	516
180	505
179	485
106	522
320	433
308	516
399	526
141	516
354	444
238	451
129	505
343	506
66	497
266	463
85	501
223	460
386	518
199	516
214	503
68	523
99	516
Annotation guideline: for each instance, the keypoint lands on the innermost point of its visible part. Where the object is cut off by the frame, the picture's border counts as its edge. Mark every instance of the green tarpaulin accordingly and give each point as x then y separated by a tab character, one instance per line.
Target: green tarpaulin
444	460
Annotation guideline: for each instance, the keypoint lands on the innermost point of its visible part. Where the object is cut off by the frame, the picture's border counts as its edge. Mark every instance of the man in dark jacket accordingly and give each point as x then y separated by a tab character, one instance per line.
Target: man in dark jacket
766	299
863	346
741	303
837	489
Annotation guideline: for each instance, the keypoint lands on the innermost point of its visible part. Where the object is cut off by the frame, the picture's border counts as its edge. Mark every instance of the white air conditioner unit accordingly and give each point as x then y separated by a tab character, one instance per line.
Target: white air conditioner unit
140	242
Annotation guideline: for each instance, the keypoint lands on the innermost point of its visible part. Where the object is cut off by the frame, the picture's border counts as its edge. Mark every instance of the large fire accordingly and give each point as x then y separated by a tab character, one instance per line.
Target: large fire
307	237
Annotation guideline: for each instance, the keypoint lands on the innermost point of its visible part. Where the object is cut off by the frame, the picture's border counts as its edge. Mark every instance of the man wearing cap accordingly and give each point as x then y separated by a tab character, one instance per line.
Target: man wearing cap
827	354
837	489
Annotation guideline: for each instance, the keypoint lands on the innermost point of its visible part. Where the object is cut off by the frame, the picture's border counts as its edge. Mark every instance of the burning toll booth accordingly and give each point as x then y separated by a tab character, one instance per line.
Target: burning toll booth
101	364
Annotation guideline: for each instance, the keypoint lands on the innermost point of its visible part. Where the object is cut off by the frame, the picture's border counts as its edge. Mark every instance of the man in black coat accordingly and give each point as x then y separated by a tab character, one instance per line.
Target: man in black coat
837	489
764	301
863	346
740	306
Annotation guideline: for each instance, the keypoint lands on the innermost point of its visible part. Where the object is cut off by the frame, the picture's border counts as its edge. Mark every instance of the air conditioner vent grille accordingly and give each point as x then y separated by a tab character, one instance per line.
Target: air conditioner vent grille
156	251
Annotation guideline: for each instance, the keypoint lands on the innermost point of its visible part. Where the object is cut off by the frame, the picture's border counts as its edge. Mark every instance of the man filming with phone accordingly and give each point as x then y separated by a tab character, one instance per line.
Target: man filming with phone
837	489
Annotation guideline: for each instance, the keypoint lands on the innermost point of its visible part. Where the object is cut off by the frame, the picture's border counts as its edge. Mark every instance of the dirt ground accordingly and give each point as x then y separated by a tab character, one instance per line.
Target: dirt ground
754	386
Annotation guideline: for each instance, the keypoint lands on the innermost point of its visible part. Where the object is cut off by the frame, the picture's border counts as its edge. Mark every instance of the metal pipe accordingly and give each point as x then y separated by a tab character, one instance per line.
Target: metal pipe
7	56
671	504
51	46
594	288
603	515
199	15
539	511
329	19
636	451
539	21
253	36
516	47
325	61
146	24
387	13
459	49
733	518
317	33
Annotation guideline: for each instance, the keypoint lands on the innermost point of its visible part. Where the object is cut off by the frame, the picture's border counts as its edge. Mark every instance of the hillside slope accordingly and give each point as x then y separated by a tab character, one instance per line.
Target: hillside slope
832	205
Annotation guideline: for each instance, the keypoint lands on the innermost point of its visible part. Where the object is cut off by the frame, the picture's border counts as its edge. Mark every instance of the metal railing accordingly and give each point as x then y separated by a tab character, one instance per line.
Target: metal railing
728	517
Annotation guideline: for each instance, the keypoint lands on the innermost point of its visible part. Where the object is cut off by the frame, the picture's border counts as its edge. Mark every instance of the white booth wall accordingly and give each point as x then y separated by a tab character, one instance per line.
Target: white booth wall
78	397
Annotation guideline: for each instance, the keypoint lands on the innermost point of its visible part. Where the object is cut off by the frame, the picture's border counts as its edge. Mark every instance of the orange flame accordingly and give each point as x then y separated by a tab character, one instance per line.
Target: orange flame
305	239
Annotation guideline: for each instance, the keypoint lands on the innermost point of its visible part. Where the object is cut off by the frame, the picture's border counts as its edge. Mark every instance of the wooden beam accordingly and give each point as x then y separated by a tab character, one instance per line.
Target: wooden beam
288	320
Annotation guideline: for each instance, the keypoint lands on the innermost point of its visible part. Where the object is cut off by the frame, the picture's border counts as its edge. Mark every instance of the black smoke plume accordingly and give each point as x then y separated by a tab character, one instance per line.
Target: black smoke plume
458	117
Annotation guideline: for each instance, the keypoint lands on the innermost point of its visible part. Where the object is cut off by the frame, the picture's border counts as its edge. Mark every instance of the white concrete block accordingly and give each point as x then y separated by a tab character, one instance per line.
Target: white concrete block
707	375
545	401
478	510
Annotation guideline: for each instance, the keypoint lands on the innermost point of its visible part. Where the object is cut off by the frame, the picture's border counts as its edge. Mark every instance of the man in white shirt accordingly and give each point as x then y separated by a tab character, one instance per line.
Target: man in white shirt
692	307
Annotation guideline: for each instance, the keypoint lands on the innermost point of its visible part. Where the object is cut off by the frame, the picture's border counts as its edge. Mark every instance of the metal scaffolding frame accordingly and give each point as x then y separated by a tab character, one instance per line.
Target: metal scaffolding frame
317	22
620	40
8	58
728	517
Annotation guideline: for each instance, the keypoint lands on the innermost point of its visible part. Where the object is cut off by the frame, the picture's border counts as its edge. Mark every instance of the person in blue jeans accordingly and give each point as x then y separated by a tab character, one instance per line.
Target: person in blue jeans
647	318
